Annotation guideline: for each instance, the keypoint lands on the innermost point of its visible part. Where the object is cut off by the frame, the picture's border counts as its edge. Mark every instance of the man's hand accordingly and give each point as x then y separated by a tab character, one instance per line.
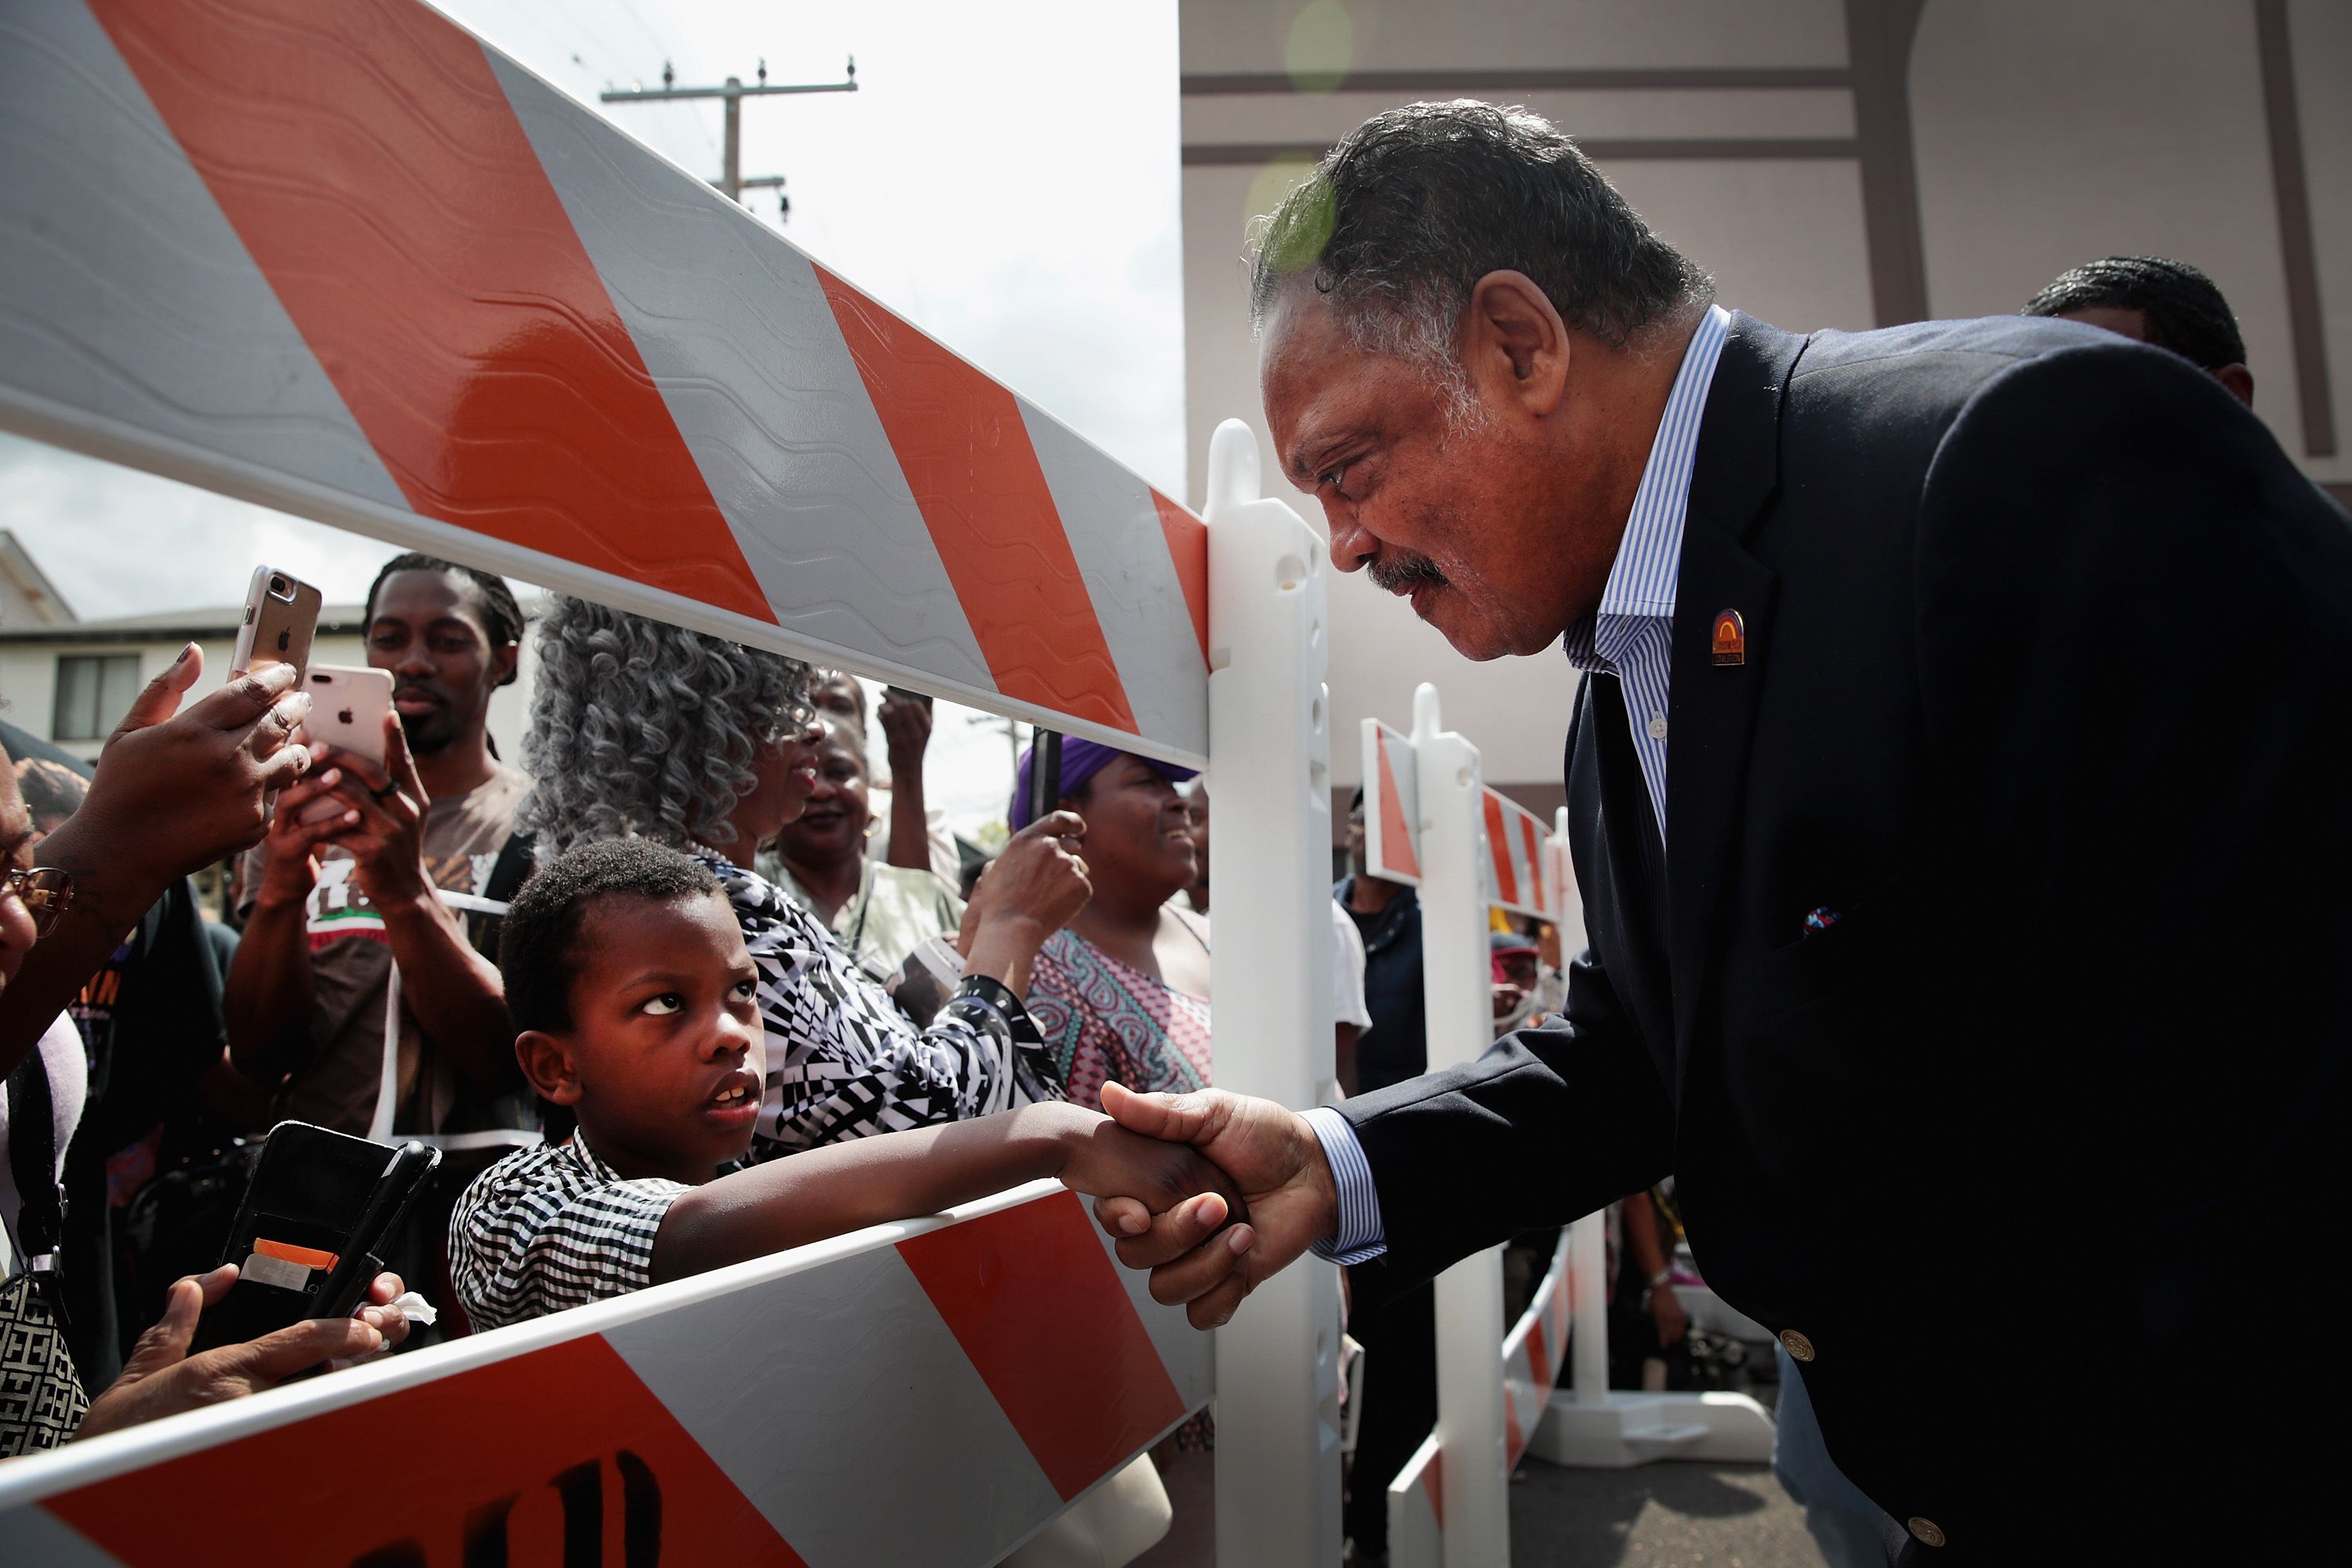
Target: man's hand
173	792
161	1378
1271	1154
384	829
289	851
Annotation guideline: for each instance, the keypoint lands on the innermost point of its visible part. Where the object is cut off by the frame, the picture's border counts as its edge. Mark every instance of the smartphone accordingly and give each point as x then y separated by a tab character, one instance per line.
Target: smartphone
348	708
281	615
317	1219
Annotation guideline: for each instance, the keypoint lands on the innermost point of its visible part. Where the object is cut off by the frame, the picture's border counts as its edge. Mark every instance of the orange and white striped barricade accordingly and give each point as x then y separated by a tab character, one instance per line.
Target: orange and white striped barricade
933	1392
343	258
1588	1423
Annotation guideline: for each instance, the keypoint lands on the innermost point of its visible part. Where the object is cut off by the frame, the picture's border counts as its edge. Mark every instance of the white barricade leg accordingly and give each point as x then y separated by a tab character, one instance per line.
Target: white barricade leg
1277	1361
1456	973
1588	1294
1417	1510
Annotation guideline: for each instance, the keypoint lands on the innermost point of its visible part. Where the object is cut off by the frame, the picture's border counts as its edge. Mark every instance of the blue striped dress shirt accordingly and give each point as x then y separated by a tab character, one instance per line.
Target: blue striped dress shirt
1631	637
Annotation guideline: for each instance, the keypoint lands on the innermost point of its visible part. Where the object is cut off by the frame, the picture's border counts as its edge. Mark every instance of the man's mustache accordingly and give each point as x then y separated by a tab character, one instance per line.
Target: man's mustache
1401	573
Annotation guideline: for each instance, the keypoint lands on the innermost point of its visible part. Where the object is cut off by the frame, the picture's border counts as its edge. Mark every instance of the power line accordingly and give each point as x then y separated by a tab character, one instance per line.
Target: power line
732	93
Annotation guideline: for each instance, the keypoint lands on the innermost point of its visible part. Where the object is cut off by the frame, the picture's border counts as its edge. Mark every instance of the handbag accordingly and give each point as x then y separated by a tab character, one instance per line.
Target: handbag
41	1397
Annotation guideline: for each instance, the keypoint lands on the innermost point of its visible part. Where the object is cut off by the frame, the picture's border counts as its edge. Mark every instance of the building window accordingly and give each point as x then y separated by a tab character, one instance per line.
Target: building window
94	691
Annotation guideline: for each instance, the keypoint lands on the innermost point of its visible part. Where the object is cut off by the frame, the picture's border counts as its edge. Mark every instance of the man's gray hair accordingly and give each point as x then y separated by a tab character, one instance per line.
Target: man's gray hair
1402	218
639	727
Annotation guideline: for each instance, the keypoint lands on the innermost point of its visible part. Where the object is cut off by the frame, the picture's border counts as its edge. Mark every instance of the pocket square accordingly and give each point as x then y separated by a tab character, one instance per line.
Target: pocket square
1820	921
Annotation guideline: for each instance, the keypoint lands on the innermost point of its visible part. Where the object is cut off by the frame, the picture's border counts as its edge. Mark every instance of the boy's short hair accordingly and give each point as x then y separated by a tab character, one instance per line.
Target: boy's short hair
538	940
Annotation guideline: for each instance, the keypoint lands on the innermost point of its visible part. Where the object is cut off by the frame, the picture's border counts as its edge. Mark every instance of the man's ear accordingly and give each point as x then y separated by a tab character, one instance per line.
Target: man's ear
504	664
547	1065
2239	380
1515	347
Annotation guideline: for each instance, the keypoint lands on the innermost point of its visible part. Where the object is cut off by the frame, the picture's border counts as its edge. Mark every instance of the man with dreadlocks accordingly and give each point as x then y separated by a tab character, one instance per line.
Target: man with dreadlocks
331	906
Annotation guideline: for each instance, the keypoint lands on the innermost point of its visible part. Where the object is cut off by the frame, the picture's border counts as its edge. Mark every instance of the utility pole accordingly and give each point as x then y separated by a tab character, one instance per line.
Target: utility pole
730	178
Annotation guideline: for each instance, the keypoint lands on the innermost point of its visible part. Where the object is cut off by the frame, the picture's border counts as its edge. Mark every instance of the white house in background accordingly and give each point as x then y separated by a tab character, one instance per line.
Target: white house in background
70	682
27	597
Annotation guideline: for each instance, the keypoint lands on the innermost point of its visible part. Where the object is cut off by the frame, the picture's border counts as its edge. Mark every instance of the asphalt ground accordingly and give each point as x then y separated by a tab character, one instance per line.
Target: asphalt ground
1666	1515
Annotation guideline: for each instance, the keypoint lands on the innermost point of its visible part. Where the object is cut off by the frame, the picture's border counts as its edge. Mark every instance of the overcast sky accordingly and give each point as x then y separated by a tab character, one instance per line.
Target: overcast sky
1011	189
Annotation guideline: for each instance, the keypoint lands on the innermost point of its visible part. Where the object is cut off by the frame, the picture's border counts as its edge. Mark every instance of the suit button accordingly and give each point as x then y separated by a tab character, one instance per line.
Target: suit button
1925	1532
1796	1344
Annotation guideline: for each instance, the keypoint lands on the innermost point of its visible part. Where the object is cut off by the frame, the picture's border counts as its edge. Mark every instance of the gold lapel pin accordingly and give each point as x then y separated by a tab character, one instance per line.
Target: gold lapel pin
1731	637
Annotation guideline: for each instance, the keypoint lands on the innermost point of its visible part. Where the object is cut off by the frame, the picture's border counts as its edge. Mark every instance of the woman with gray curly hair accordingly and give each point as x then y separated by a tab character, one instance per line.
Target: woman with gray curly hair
639	728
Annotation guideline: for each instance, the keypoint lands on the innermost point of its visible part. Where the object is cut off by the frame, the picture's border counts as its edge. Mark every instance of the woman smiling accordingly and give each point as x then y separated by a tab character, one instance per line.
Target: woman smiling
1122	991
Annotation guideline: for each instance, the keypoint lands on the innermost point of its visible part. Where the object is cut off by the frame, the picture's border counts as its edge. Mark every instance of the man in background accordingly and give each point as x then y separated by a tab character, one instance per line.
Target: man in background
2150	300
332	907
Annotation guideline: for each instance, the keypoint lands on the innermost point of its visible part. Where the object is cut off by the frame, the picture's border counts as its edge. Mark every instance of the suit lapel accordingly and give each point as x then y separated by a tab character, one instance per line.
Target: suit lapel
1713	706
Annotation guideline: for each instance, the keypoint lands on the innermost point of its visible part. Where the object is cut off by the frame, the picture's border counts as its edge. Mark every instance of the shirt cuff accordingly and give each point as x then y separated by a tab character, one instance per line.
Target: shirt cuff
996	996
1360	1237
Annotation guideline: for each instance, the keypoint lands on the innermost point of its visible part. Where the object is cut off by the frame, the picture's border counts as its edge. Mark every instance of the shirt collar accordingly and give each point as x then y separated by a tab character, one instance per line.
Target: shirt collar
1649	558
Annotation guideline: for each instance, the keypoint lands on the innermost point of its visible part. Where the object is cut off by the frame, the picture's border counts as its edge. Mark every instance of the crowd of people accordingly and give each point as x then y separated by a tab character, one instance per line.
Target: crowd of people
688	981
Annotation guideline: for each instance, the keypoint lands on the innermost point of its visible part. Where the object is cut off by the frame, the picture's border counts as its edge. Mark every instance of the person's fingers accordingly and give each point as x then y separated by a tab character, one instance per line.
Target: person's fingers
399	767
165	1343
1202	1269
295	796
1176	1235
215	1283
273	1358
236	705
1176	1118
1216	1309
385	1288
160	698
1058	824
281	767
1122	1216
363	772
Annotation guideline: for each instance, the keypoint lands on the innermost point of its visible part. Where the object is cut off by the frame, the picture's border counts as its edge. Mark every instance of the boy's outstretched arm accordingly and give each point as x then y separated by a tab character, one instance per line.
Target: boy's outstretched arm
823	1193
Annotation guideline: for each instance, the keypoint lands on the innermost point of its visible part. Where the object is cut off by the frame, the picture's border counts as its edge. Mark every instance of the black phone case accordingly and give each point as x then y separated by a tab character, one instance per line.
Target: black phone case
327	1192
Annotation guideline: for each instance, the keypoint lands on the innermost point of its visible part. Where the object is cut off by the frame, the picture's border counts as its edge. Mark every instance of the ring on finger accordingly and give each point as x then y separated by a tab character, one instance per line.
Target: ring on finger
382	795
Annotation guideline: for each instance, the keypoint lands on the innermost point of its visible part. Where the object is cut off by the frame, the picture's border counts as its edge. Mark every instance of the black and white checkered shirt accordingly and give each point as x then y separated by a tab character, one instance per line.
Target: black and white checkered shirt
553	1227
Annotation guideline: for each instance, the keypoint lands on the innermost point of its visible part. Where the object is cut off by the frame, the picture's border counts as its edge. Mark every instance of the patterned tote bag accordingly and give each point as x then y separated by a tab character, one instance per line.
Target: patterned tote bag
41	1397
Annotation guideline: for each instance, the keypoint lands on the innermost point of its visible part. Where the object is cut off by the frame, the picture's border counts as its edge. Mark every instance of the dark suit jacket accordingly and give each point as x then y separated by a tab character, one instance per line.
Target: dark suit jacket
2048	693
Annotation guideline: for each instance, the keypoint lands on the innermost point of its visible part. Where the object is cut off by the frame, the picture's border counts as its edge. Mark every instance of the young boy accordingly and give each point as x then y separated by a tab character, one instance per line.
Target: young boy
626	977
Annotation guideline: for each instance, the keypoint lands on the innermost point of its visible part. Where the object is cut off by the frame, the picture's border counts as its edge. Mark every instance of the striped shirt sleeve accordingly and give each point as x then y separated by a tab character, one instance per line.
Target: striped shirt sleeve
1360	1236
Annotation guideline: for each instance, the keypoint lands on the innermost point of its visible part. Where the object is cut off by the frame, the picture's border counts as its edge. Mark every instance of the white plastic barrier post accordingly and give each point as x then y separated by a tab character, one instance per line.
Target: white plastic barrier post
1278	1361
1457	974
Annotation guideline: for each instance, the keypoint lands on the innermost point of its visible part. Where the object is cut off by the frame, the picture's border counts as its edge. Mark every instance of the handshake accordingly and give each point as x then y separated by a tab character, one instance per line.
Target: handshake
1269	1178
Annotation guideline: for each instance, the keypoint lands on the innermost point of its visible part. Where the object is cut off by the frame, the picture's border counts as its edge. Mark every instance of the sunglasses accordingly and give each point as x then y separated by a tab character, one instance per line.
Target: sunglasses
46	893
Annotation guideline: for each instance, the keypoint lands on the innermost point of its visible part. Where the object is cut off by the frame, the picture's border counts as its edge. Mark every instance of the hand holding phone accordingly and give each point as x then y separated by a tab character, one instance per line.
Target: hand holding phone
281	616
349	709
317	1220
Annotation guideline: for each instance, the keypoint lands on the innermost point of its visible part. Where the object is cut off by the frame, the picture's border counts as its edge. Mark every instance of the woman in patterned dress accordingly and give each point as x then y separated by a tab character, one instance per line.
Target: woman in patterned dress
1122	993
642	728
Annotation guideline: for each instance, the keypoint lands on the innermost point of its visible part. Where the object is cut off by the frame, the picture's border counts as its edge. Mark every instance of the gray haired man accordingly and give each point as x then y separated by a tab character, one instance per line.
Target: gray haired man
1923	693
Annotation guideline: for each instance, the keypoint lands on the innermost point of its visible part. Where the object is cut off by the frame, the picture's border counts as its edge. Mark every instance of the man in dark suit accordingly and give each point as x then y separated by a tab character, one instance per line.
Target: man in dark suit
1958	797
